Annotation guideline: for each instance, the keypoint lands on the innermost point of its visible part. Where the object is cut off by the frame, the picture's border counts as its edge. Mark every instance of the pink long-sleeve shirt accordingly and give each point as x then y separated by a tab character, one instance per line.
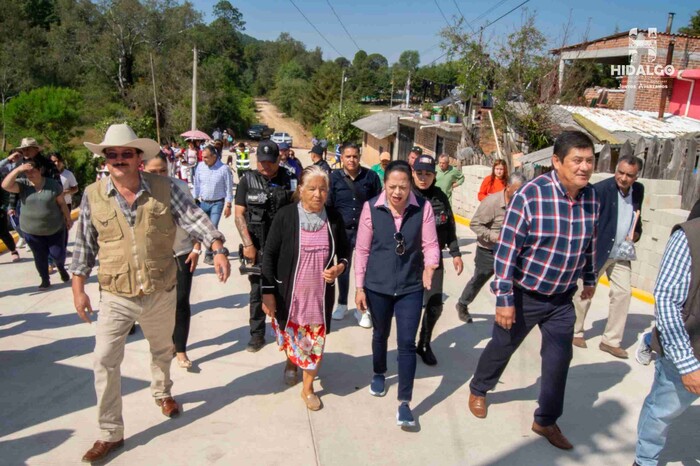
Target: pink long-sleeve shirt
431	250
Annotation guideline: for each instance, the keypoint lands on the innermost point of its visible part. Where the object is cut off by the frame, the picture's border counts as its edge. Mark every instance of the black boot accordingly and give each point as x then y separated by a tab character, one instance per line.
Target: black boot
65	277
463	313
433	309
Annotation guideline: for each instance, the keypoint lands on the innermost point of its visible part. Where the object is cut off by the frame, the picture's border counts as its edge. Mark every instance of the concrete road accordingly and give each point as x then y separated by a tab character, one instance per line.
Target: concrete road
237	409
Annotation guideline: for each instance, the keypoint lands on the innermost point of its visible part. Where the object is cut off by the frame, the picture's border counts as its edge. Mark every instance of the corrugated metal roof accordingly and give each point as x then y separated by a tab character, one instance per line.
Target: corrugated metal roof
543	157
380	125
638	122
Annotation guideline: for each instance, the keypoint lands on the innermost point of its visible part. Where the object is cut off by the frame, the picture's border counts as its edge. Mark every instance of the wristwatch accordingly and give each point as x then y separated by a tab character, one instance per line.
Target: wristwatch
197	251
223	251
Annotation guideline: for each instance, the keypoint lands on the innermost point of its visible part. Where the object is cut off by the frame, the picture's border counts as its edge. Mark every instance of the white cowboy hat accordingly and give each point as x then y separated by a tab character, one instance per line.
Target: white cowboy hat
123	136
28	142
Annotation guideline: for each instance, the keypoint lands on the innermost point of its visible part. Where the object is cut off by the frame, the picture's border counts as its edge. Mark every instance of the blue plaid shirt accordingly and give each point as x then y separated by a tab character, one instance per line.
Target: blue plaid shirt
213	183
547	240
670	293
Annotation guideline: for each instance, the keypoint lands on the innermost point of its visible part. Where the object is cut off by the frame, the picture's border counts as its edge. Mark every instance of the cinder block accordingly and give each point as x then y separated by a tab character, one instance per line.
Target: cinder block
671	217
597	177
664	201
660	186
660	232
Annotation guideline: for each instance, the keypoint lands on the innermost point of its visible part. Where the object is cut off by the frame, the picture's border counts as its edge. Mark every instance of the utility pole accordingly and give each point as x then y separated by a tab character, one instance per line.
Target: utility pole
408	90
391	97
342	88
155	100
194	90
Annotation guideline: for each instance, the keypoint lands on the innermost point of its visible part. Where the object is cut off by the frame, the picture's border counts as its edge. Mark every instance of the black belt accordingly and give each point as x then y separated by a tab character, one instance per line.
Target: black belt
215	200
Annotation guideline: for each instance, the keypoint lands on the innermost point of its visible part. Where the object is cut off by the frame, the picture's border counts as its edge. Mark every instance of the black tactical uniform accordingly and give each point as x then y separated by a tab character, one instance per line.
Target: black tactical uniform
262	199
447	237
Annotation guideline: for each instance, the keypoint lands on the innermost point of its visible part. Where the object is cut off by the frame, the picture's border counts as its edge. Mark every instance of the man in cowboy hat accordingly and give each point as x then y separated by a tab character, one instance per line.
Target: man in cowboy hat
130	219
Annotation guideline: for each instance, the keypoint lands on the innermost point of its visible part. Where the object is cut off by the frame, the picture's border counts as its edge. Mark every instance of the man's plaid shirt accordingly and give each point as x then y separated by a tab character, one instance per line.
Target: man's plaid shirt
184	211
547	240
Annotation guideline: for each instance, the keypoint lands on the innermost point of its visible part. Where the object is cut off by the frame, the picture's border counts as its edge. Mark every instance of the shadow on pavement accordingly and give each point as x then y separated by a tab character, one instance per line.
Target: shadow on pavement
235	341
636	324
18	451
36	388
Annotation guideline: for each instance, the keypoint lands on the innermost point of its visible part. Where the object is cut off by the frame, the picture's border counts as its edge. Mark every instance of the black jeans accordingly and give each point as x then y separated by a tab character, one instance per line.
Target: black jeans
5	235
44	246
182	309
483	271
257	316
555	316
344	279
407	309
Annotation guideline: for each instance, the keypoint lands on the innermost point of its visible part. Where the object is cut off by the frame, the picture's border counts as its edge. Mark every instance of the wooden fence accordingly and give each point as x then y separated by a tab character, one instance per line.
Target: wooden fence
667	159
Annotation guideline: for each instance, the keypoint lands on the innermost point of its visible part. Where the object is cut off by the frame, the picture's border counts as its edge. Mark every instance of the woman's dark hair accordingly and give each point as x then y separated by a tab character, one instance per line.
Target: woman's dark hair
160	156
400	166
571	140
58	156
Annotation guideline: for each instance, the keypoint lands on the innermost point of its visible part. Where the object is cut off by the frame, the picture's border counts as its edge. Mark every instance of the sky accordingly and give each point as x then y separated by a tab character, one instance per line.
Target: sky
389	27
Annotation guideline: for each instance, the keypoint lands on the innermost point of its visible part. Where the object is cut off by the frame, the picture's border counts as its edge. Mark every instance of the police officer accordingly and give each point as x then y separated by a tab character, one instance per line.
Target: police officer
260	195
424	181
242	159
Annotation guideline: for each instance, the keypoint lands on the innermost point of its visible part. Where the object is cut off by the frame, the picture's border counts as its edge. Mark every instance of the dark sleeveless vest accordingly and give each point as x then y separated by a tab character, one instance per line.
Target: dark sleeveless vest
691	309
387	272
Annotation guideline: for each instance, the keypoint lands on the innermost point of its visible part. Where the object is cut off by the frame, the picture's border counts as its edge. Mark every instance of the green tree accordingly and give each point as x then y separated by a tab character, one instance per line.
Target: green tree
693	27
409	60
338	124
47	113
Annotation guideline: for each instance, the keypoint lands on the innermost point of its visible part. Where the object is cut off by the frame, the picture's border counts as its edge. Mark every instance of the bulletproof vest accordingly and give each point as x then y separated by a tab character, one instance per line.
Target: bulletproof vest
263	201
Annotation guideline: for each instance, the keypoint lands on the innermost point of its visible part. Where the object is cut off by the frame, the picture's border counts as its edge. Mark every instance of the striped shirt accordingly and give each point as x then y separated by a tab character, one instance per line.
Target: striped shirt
670	293
547	240
185	213
213	183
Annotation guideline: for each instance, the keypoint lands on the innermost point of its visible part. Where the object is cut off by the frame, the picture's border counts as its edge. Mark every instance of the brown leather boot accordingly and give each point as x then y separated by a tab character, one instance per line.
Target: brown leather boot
553	435
100	450
168	406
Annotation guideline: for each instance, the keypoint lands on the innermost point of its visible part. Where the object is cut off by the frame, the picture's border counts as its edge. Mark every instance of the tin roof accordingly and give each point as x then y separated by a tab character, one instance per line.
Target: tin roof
380	125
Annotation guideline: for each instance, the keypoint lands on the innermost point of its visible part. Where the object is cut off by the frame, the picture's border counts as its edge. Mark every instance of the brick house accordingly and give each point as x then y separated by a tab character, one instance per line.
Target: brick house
626	53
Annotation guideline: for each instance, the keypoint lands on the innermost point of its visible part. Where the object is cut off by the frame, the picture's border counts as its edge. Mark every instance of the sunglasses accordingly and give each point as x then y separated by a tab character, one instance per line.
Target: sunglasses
400	243
126	155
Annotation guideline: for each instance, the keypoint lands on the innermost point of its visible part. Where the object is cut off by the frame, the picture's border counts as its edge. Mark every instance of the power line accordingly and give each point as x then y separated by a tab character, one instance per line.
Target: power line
488	25
343	25
462	15
443	14
313	26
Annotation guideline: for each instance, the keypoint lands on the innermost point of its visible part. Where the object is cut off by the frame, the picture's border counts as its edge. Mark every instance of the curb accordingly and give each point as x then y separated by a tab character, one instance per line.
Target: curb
74	215
641	295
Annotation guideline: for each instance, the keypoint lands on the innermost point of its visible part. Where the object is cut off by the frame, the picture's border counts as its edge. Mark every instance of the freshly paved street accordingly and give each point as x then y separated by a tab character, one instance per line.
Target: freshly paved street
237	409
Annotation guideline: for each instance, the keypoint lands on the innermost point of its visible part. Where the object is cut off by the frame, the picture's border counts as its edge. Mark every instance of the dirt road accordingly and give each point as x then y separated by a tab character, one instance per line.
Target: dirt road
269	114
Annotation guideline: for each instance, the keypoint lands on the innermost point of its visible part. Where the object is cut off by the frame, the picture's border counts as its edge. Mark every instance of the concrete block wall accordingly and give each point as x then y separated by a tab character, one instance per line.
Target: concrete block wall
660	212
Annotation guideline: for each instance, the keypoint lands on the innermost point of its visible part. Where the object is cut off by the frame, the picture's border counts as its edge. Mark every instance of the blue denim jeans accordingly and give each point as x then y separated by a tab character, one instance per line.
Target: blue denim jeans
213	211
667	400
407	309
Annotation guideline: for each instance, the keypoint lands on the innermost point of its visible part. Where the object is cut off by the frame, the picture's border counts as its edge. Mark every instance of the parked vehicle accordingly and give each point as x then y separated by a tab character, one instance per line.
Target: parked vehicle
258	132
282	137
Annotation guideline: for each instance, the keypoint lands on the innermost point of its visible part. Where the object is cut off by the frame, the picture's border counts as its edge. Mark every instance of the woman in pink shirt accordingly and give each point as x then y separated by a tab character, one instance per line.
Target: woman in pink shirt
396	254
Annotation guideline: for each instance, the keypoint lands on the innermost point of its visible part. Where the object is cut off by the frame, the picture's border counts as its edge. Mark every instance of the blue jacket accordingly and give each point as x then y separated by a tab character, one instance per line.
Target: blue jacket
607	220
349	201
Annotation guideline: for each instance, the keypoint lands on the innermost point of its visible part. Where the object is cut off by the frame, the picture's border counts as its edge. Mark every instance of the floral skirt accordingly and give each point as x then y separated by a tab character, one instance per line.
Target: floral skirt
302	343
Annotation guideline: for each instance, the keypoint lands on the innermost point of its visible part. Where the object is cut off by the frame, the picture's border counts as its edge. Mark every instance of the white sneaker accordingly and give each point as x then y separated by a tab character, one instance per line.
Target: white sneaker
643	353
339	312
21	243
364	320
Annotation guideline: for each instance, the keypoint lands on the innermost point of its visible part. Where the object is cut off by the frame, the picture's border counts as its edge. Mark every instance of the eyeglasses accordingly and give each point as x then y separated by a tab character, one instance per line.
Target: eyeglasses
400	243
126	155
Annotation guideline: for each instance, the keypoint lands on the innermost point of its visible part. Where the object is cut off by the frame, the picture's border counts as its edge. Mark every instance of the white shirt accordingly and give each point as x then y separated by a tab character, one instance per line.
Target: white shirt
625	216
68	180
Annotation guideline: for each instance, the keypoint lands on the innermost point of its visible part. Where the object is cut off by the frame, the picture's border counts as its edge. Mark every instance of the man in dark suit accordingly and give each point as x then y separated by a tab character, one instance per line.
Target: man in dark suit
620	196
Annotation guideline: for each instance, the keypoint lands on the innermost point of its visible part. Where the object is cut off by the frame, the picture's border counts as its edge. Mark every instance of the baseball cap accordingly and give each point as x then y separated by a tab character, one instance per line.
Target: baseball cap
424	162
318	150
283	146
267	151
384	156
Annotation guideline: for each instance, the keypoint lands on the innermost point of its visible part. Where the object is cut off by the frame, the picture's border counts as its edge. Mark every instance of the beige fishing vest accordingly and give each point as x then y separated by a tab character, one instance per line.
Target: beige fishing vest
138	259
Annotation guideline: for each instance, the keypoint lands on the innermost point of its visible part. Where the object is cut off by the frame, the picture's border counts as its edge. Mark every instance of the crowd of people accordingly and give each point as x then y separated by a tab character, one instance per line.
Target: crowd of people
545	241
